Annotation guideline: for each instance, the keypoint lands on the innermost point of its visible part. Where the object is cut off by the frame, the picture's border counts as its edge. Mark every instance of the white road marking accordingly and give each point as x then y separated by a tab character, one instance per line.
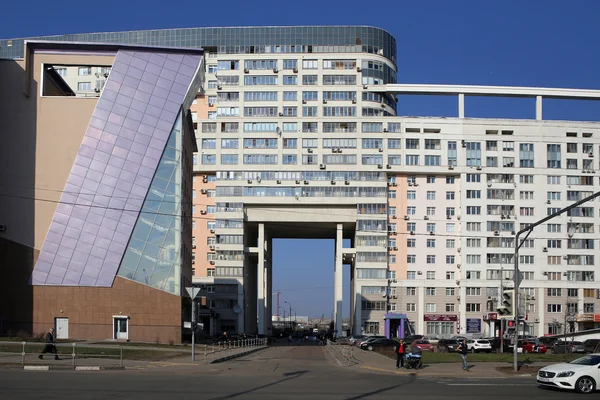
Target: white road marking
489	384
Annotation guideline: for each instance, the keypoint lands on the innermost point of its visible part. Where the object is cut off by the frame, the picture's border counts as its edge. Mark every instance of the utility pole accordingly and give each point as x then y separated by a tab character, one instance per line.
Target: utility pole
278	293
501	320
517	279
193	292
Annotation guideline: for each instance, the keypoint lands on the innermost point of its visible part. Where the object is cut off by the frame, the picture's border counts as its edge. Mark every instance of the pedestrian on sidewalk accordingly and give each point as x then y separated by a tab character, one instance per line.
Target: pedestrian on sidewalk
400	354
50	346
464	350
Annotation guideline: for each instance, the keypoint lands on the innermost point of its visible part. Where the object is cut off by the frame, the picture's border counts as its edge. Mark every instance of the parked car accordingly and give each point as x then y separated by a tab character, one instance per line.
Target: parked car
495	343
530	346
591	345
411	338
371	345
423	344
568	347
354	339
548	341
447	345
479	345
581	375
368	339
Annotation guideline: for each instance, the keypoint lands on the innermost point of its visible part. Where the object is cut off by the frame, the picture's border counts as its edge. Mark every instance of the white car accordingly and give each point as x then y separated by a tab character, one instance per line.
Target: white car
581	375
478	345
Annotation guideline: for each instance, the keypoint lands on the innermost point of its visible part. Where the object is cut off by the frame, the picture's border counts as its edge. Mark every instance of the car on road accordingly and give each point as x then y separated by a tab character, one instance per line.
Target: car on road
581	375
423	344
591	345
530	346
371	345
479	345
447	345
568	347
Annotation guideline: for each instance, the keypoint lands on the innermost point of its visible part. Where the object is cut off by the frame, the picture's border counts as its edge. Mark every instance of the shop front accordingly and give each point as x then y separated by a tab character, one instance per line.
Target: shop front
441	324
396	325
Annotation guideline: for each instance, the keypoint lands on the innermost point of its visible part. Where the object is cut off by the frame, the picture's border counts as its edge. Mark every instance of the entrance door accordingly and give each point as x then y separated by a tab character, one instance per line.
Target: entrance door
121	328
62	328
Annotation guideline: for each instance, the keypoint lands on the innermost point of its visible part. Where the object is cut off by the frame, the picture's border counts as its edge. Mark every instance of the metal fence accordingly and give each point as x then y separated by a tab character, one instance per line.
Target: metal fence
73	353
222	351
342	352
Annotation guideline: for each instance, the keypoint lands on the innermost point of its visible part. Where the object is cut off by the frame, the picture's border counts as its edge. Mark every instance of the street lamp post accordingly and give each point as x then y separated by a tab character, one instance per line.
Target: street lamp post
517	280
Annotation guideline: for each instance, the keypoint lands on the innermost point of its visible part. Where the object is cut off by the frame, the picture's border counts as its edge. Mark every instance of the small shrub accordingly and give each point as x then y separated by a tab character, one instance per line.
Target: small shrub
40	336
171	342
22	335
157	339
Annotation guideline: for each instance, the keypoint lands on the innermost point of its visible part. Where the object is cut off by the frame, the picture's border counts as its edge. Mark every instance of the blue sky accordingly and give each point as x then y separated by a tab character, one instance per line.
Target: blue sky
511	42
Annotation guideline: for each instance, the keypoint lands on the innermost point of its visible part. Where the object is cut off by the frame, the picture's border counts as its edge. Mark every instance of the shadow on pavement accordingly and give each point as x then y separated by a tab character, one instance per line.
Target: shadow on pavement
288	376
413	377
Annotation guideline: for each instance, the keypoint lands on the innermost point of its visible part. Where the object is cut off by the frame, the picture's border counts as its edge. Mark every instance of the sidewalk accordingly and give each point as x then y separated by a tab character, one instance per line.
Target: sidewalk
204	355
373	361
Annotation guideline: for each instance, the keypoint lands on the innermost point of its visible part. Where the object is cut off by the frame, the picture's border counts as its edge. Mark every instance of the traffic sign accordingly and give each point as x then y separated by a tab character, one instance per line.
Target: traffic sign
193	291
518	278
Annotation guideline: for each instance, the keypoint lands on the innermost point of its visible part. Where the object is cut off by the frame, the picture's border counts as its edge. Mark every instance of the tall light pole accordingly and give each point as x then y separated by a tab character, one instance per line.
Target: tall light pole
290	314
527	230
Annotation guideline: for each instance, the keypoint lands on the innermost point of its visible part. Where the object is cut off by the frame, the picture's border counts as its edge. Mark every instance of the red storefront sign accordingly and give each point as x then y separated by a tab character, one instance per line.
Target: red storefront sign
440	317
596	317
490	316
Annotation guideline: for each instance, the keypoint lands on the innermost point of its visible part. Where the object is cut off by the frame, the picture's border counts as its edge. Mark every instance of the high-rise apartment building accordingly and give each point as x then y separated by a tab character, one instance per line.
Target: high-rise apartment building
299	136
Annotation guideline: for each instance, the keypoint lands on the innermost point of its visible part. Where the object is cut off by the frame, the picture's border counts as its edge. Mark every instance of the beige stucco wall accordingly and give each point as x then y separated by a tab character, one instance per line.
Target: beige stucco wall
39	140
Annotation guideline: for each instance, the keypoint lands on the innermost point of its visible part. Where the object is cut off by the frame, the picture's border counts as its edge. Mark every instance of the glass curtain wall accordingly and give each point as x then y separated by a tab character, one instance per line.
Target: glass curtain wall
153	254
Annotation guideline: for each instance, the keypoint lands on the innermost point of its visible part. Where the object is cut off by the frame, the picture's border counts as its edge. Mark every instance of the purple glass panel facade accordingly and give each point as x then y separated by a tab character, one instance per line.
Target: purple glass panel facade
113	169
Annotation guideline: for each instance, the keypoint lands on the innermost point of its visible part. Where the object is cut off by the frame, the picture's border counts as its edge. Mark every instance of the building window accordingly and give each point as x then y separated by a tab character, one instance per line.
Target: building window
411	307
430	307
473	307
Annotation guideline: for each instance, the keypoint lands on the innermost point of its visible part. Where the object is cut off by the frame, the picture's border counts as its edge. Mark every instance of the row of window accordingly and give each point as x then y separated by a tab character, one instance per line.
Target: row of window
288	64
312	127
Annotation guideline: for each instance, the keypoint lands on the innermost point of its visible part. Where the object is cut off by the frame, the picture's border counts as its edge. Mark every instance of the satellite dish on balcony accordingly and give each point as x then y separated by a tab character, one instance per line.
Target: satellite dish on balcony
237	309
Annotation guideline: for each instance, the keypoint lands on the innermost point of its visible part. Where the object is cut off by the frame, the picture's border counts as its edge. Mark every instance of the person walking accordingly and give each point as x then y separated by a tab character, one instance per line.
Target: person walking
50	346
400	354
464	350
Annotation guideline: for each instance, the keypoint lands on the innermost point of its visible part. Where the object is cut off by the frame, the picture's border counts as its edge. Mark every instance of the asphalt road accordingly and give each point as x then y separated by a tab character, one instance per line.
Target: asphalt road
277	373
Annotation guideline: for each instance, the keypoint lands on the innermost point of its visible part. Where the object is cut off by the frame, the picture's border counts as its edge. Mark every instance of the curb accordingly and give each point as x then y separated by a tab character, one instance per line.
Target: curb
36	367
69	368
227	358
443	374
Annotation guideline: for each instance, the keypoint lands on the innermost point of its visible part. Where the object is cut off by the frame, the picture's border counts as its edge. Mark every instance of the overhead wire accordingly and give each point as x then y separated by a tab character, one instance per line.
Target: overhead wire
284	224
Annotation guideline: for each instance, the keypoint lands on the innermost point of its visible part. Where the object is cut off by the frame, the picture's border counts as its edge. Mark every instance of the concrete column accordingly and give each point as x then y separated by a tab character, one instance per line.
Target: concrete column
541	305
261	292
250	289
401	328
461	105
241	314
538	108
420	326
269	286
357	327
462	307
338	280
